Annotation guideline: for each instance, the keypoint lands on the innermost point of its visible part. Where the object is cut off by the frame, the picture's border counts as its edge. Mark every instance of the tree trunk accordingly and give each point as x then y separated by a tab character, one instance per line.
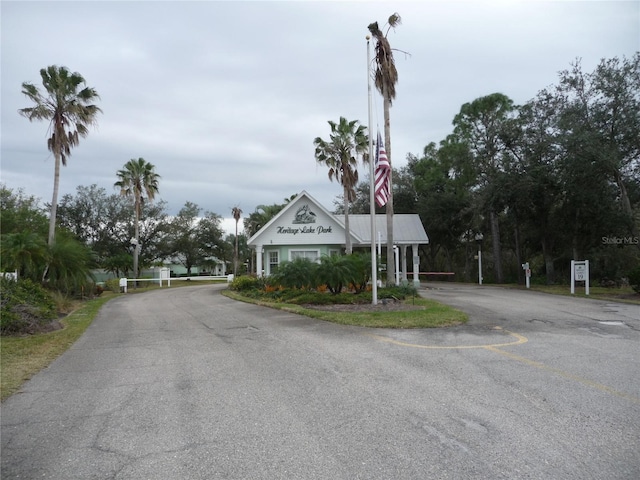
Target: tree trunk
497	250
574	238
467	264
235	254
433	256
447	256
53	210
389	211
54	200
548	261
518	254
137	237
347	234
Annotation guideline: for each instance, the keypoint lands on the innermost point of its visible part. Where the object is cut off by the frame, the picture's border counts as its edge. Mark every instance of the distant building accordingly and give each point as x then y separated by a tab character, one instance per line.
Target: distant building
305	229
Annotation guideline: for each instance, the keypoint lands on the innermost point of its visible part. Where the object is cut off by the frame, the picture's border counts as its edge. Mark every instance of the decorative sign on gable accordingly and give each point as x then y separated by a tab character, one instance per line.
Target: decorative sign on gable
304	215
303	222
294	231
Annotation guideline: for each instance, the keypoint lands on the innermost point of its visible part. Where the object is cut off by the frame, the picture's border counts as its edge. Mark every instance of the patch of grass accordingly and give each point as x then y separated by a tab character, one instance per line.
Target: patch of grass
23	357
64	303
430	314
619	294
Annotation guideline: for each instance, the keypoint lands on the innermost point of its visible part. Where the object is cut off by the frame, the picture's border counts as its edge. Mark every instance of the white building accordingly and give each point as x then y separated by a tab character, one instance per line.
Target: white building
304	228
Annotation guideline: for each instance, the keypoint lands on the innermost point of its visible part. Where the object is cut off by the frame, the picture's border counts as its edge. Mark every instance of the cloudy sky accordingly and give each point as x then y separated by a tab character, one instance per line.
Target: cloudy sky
225	98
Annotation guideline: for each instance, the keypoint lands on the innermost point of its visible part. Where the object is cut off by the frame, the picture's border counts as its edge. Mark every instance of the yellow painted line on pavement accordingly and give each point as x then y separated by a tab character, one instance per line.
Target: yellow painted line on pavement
562	373
519	340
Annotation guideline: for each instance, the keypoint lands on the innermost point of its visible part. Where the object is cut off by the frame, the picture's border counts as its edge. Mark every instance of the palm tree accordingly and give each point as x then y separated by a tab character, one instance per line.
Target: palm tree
68	107
260	217
137	179
386	77
347	141
237	213
69	264
24	251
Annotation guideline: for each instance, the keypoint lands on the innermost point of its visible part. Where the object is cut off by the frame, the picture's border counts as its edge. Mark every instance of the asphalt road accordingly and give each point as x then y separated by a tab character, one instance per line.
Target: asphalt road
186	384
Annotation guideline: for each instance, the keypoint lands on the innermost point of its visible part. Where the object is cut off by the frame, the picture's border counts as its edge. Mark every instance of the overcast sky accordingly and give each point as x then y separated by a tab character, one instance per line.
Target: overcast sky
225	98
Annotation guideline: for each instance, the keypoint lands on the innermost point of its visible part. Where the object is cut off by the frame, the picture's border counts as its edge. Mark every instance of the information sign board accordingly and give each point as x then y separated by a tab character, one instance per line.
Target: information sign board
580	273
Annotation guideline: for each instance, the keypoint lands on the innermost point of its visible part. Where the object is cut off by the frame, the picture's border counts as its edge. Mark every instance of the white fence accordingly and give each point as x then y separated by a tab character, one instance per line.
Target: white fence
124	282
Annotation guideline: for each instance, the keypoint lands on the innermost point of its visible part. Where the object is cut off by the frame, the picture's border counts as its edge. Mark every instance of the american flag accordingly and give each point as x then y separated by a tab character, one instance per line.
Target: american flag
381	174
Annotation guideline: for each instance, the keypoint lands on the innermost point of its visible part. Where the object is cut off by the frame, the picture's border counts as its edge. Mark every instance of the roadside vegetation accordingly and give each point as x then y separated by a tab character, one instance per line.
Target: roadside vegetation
626	294
23	356
413	313
335	290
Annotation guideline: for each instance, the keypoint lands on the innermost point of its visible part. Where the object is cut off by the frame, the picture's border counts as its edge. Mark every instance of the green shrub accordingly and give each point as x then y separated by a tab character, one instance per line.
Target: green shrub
310	297
63	302
335	271
69	264
360	271
113	284
244	283
398	291
634	279
299	273
24	307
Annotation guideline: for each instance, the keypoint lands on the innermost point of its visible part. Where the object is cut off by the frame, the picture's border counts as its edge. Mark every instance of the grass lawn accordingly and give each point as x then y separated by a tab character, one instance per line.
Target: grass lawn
23	357
420	313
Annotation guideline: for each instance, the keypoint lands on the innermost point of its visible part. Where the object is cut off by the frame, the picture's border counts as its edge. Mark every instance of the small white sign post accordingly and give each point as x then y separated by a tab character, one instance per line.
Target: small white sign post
580	273
165	274
527	273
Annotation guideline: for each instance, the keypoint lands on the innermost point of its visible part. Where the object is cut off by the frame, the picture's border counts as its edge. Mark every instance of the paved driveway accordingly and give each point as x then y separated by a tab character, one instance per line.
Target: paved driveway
186	384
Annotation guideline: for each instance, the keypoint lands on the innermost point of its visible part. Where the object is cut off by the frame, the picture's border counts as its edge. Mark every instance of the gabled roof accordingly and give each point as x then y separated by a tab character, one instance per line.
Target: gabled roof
301	198
407	228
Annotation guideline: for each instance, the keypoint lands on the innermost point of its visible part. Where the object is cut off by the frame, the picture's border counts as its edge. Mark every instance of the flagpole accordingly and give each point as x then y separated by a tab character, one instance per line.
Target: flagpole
372	205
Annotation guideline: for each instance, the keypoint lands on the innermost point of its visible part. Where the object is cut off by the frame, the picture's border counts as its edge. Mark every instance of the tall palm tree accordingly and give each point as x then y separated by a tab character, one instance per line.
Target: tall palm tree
386	77
137	179
68	106
237	213
347	141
